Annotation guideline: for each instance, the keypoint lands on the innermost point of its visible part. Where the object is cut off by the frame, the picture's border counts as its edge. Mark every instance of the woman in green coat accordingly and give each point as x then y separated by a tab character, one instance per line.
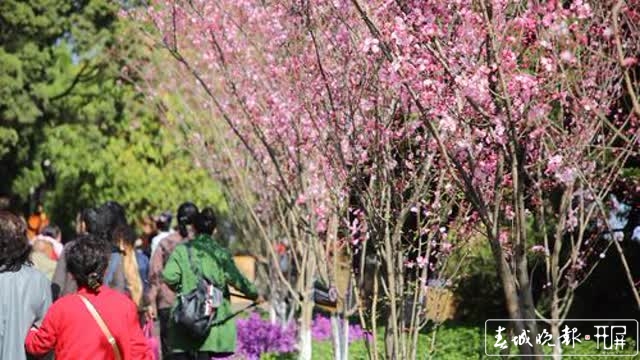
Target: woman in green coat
216	264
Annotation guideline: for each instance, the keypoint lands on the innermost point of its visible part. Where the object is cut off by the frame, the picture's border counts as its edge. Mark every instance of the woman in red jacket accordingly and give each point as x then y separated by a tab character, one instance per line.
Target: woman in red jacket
94	323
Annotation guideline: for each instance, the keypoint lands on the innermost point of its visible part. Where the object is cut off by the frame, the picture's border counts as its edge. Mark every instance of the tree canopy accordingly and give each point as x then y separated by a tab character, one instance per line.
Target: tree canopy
68	101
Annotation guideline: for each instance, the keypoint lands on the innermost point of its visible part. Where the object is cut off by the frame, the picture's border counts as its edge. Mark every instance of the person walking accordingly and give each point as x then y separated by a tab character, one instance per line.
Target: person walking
160	297
52	235
41	258
100	222
206	257
37	221
135	263
96	322
163	224
26	292
149	231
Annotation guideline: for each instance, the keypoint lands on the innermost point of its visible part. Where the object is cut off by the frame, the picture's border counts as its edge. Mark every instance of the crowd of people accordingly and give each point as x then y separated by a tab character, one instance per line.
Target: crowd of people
92	296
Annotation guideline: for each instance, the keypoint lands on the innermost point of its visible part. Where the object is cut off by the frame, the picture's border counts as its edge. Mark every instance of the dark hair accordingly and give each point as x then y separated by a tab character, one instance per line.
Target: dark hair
126	233
106	219
163	221
89	217
206	221
87	260
115	214
13	242
186	214
51	231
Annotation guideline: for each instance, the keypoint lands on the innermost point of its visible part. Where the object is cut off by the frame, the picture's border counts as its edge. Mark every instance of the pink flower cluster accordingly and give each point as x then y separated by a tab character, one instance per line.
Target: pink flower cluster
319	99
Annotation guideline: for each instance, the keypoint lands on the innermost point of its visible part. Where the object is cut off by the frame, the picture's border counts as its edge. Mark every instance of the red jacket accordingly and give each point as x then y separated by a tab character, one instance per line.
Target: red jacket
69	329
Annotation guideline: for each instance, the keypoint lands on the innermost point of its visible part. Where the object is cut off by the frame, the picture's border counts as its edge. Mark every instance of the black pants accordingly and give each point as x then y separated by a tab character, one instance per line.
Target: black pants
164	316
204	355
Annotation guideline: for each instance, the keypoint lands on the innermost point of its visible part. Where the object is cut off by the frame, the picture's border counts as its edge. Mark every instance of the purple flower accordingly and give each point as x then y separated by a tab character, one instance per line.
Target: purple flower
321	330
356	332
257	336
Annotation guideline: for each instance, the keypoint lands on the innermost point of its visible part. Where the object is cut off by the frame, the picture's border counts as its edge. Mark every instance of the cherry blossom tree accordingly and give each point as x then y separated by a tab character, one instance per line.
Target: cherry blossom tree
304	127
338	123
523	101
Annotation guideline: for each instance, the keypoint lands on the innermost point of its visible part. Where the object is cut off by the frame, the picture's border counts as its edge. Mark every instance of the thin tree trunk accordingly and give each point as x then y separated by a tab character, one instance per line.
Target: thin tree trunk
555	328
374	313
392	332
305	340
389	343
340	332
345	338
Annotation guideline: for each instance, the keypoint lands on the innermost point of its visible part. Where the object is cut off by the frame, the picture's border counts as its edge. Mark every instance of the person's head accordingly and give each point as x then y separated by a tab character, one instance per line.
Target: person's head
43	246
163	221
107	217
34	222
115	212
52	231
125	236
13	242
206	221
88	221
148	225
87	260
186	213
113	215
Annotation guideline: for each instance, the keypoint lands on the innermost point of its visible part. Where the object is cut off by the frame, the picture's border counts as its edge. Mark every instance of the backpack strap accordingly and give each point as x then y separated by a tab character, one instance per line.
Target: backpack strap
196	269
103	327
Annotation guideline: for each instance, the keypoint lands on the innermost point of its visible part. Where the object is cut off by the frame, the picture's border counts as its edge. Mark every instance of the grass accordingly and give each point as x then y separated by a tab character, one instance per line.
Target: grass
458	342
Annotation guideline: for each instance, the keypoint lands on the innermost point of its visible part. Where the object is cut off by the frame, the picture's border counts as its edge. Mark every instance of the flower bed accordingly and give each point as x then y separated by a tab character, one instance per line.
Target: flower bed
258	336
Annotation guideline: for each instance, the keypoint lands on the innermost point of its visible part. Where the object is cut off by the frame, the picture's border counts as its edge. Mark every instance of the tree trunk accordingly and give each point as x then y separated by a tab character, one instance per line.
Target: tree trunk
278	311
345	339
527	306
374	313
528	310
555	332
389	343
340	327
305	340
511	295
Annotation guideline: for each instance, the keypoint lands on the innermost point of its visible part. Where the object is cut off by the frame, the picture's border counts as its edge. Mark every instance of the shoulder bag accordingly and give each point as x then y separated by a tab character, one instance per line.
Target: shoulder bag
103	326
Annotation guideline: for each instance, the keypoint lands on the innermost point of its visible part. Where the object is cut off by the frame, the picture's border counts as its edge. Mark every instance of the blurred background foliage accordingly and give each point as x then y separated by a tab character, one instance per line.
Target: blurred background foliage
74	130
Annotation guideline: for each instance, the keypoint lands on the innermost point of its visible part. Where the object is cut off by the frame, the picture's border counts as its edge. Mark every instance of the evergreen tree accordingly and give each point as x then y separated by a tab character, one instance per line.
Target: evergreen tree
66	102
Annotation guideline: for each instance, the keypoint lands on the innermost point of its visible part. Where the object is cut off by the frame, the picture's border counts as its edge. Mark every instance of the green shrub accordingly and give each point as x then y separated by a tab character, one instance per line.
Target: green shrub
478	291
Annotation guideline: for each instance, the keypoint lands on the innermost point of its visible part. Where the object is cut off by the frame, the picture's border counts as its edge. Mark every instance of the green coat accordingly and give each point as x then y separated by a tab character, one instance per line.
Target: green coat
216	264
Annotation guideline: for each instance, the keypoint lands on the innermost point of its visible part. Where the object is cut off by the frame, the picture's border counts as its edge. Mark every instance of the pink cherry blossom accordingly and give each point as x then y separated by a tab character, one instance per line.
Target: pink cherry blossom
421	261
629	61
554	164
567	56
320	108
539	249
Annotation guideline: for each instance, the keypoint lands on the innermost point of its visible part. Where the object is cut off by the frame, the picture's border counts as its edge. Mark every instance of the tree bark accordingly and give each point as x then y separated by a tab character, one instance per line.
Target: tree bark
305	340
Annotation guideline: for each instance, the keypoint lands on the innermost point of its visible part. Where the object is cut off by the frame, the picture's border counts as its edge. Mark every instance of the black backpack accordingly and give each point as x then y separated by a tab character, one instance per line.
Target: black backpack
196	309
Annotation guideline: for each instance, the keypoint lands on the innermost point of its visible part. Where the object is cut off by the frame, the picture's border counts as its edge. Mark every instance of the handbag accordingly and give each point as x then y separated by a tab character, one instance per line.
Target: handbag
103	326
152	340
196	309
